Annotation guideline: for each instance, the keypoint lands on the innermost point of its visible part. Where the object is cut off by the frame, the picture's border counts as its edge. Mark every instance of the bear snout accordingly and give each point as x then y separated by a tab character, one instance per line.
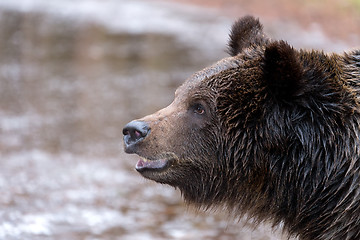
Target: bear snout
134	132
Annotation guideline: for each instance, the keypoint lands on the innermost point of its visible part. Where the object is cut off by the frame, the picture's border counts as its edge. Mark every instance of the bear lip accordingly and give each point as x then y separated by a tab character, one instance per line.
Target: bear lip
146	164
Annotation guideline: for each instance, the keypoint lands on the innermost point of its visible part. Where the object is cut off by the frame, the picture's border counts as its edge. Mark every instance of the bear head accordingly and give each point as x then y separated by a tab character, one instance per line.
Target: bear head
192	142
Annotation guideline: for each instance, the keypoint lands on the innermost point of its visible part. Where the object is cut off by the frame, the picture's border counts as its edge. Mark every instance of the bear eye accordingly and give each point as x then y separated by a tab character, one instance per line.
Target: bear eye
199	109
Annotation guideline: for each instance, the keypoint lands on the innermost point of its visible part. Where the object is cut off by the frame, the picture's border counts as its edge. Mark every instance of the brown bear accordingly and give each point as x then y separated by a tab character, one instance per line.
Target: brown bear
271	132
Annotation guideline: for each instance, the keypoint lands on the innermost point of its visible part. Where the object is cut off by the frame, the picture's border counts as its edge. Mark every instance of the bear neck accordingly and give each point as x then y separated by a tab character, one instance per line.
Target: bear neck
304	175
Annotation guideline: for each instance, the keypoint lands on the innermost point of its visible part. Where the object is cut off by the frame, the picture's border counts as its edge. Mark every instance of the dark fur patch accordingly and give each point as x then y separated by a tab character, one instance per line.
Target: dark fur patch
282	70
245	32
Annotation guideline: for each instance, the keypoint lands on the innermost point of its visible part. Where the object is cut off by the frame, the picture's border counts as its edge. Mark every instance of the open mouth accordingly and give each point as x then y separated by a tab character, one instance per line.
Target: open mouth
156	165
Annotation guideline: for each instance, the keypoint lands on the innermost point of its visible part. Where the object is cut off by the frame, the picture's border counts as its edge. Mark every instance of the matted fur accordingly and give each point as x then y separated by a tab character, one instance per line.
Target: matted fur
271	132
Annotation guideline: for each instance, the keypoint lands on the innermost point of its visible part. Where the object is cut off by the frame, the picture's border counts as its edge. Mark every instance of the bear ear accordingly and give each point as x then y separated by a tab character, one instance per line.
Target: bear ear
245	32
282	70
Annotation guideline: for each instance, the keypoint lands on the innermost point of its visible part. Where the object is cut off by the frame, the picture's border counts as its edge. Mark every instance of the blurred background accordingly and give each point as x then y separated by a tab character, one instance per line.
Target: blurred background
73	73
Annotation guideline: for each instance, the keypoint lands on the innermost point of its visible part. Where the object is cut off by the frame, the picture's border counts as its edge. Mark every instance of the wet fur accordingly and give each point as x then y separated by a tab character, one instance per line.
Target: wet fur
280	141
291	151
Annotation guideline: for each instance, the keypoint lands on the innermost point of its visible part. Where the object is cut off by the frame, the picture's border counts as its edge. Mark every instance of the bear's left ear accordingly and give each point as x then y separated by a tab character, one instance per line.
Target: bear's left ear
282	70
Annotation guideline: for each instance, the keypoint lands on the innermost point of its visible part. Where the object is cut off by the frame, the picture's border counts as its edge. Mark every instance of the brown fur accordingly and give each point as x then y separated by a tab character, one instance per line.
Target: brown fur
272	132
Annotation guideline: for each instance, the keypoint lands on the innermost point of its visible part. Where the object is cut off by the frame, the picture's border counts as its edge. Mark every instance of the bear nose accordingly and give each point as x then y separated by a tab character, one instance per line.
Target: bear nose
134	132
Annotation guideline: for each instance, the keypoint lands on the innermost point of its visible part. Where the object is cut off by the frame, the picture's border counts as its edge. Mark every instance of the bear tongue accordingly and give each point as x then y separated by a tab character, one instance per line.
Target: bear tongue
150	164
